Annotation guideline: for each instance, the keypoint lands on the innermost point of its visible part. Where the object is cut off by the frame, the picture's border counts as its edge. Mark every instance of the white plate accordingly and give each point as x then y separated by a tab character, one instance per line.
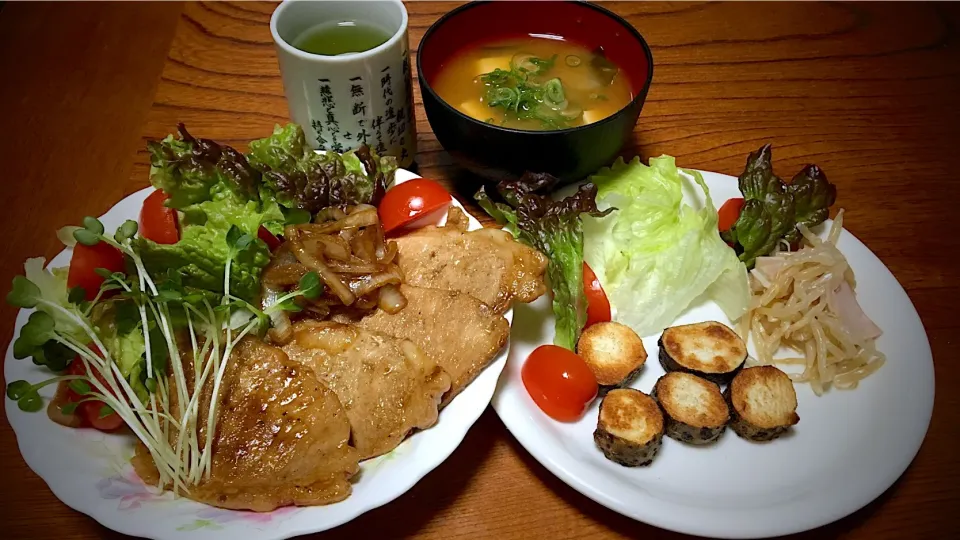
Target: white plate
89	471
848	448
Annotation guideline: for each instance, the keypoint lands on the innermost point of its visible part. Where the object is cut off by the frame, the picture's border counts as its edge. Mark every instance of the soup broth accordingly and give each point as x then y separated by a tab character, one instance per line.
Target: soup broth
533	84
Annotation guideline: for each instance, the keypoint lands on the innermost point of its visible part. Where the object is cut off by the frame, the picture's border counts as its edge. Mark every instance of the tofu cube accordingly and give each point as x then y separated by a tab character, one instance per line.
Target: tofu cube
476	109
592	116
486	65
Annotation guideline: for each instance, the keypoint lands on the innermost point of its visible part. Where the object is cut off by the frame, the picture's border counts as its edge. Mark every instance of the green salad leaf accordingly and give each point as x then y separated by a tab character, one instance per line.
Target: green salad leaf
215	188
657	254
202	251
189	170
299	178
174	170
117	323
554	228
813	196
772	209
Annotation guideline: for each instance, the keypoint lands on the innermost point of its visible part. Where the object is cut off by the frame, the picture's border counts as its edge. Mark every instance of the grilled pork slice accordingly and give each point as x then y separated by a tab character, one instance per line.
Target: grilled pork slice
763	403
281	438
694	410
614	352
461	334
708	349
487	264
388	386
630	427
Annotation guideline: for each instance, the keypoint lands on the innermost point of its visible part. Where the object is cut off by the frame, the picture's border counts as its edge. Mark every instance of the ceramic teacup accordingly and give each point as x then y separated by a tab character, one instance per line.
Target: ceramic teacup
350	99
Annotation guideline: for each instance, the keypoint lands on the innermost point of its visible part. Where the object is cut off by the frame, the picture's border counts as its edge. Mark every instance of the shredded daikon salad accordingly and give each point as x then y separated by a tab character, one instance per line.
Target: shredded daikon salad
805	301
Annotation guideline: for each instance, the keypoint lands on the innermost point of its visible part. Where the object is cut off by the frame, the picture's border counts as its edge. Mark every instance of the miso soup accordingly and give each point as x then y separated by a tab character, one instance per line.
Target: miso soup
533	83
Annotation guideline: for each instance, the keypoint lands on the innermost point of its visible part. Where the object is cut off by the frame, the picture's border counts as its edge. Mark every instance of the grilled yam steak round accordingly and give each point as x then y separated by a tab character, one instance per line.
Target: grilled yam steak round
763	403
629	428
694	410
614	353
709	349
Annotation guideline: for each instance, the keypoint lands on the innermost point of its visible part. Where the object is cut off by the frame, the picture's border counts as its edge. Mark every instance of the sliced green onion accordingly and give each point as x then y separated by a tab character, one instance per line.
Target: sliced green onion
553	93
522	61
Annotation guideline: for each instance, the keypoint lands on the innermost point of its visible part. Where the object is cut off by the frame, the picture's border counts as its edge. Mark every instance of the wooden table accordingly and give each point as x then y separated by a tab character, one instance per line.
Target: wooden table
870	92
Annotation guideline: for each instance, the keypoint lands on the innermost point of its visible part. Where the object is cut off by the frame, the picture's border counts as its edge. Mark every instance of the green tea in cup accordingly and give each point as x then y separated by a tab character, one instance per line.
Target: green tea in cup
344	37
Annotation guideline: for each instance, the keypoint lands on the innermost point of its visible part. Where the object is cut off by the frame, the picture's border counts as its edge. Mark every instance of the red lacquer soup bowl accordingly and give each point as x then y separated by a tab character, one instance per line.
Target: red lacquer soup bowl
495	152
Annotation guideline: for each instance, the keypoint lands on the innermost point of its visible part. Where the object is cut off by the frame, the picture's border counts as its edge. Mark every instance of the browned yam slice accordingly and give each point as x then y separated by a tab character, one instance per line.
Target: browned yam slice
629	427
388	386
488	264
460	333
693	408
614	352
709	349
282	437
763	403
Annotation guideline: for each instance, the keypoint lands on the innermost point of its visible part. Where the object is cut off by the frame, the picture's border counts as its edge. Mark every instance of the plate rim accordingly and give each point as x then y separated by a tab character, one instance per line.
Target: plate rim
284	529
522	432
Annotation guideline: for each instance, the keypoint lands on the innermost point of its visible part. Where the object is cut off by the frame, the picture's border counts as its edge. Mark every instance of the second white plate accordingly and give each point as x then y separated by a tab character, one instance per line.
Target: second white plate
849	447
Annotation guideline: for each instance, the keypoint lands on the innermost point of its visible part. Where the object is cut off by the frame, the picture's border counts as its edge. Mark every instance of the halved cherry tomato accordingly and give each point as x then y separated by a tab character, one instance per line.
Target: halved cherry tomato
64	397
598	307
157	222
413	202
272	241
559	382
729	213
76	367
89	411
86	260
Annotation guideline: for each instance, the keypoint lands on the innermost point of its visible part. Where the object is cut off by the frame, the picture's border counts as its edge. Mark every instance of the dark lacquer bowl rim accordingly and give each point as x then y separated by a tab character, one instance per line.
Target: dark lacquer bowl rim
637	99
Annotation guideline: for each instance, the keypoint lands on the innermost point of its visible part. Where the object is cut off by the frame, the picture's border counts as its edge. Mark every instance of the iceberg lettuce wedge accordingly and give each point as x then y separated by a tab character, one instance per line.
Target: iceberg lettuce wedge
656	254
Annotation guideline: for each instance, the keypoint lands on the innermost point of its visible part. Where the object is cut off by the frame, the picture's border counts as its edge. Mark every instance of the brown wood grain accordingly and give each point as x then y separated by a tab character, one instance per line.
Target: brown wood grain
870	92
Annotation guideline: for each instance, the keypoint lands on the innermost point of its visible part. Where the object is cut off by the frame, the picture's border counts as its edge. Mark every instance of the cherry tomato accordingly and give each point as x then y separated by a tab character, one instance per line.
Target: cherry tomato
99	377
729	213
413	202
598	307
75	368
157	222
559	382
86	260
272	241
89	411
